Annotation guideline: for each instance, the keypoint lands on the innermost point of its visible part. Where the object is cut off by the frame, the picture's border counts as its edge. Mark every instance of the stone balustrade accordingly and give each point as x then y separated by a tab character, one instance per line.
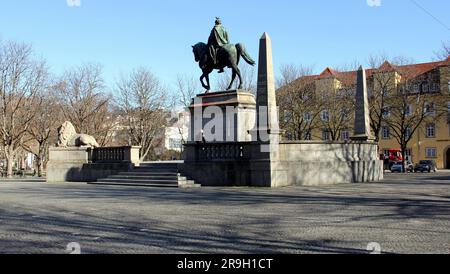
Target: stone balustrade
128	154
219	151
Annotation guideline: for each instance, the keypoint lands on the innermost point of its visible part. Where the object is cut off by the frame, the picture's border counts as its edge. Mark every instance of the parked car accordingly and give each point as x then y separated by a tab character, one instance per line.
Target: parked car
409	166
426	166
398	167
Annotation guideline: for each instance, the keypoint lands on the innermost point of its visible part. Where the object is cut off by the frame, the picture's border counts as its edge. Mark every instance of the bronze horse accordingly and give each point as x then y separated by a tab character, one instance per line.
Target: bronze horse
227	56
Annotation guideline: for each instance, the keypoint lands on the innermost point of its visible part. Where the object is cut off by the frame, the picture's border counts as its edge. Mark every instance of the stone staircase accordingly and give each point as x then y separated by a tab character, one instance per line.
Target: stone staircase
164	174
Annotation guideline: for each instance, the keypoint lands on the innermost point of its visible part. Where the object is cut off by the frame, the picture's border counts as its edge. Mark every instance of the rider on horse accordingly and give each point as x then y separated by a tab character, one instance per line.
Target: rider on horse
220	54
217	39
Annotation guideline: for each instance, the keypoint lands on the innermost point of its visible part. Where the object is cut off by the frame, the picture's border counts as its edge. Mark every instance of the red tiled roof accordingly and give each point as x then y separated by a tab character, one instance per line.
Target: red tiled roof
386	66
410	71
328	72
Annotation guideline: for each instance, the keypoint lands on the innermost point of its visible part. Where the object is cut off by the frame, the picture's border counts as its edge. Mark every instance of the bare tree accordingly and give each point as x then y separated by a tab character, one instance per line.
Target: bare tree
337	112
298	103
186	89
141	99
382	83
22	78
248	74
43	131
444	52
411	107
84	102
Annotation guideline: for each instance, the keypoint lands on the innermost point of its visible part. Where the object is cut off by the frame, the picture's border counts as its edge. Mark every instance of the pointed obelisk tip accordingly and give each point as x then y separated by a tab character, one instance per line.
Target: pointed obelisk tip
265	36
361	68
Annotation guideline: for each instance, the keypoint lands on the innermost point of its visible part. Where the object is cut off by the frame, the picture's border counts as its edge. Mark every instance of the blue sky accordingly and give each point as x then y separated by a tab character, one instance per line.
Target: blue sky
158	34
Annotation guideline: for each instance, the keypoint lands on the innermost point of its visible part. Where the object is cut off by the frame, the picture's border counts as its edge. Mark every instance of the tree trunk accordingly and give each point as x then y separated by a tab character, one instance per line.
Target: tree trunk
403	148
39	166
9	164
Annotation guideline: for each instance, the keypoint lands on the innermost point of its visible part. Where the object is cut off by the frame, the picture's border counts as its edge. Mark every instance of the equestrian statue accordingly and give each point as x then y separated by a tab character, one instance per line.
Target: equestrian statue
218	54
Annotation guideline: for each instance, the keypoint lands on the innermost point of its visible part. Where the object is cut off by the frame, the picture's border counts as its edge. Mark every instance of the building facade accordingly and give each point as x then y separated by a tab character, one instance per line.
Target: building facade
431	140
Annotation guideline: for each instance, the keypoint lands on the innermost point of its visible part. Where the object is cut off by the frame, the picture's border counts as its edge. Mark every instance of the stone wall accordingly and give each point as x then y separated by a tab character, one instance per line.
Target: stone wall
76	164
320	163
297	163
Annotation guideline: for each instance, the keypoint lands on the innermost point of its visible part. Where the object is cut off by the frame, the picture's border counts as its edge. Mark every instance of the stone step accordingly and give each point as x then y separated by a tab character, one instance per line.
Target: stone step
181	184
150	175
138	181
144	169
159	165
190	186
131	184
145	176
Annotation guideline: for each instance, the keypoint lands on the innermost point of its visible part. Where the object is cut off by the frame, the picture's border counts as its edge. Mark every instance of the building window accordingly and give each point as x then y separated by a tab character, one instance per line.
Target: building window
386	153
429	108
416	88
408	110
308	117
386	112
289	136
174	143
345	135
408	132
287	116
425	88
434	87
308	136
345	113
431	130
408	154
385	134
325	135
325	116
431	152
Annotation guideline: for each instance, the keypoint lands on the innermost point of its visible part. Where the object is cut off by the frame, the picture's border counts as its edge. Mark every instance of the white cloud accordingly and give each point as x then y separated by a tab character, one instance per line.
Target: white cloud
73	3
374	3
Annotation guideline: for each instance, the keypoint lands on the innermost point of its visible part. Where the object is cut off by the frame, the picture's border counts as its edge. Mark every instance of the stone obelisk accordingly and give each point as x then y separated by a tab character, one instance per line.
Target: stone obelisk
362	130
266	105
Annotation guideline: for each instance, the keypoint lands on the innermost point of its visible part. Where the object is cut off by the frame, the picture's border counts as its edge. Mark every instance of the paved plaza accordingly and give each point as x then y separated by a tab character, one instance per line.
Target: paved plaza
405	214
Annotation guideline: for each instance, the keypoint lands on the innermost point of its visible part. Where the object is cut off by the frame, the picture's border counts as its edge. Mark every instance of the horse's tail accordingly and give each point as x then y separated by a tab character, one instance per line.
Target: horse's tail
243	52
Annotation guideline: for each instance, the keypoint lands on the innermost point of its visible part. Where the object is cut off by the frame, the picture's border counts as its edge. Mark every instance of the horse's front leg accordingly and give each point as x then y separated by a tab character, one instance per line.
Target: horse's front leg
238	72
207	82
203	84
233	77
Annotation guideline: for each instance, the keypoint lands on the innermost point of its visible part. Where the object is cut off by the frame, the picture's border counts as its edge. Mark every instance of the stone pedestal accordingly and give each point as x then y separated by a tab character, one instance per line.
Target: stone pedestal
66	164
83	164
225	116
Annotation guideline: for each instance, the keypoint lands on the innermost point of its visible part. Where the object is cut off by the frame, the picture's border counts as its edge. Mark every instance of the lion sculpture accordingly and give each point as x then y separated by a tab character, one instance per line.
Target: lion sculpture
68	137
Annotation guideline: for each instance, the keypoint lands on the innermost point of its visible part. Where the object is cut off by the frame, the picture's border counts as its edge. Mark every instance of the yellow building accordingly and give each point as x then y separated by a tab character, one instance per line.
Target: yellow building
432	140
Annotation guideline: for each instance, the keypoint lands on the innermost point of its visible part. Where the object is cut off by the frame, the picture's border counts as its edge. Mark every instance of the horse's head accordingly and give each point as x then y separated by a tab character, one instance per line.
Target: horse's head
198	49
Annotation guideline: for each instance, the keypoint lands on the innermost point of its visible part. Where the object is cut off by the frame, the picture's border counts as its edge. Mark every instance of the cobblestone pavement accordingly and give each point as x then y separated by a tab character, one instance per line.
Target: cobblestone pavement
404	214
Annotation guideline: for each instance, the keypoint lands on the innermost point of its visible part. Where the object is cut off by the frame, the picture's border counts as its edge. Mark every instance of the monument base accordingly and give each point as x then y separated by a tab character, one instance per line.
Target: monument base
74	164
232	114
294	163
